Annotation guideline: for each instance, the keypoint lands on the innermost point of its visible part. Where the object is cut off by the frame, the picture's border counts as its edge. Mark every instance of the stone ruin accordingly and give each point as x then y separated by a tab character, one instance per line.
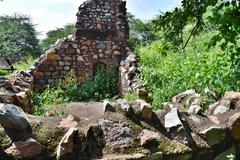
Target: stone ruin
117	130
100	39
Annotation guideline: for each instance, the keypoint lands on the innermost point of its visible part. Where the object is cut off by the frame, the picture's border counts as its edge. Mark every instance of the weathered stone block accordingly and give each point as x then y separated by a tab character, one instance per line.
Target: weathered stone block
53	57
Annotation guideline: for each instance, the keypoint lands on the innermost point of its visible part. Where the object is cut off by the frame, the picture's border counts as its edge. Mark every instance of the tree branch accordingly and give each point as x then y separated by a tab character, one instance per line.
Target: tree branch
192	33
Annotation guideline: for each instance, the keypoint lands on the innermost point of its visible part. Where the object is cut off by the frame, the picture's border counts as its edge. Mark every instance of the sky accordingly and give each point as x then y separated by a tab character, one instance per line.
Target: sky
52	14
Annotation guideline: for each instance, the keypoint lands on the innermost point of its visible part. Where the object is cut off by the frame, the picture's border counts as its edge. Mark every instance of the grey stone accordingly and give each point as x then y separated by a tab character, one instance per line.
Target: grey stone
195	109
67	68
187	98
116	134
172	119
101	46
14	122
132	69
214	135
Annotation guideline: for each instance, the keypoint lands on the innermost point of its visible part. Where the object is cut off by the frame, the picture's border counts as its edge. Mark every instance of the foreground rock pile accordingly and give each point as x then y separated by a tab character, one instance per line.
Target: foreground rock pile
123	130
16	90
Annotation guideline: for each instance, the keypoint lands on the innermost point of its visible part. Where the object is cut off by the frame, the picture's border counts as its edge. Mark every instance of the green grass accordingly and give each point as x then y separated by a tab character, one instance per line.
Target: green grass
167	72
4	72
131	97
24	65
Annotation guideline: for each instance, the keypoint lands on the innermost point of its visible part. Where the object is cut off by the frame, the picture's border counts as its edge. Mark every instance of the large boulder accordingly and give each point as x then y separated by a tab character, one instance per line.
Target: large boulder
14	122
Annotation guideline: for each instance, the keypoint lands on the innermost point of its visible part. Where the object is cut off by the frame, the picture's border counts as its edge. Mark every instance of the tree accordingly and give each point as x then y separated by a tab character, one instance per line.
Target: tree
54	35
220	16
18	37
141	32
223	15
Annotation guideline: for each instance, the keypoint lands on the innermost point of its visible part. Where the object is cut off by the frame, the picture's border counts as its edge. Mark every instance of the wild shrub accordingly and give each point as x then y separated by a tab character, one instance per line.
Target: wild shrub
103	86
167	72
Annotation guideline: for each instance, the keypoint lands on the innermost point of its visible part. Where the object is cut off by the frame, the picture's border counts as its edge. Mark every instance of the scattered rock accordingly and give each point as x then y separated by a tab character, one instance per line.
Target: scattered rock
187	98
196	109
69	122
107	107
172	119
149	139
66	145
116	134
214	135
25	149
146	111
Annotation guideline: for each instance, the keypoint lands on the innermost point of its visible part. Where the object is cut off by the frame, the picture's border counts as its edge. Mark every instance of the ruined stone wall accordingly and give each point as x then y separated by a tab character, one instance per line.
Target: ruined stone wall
100	38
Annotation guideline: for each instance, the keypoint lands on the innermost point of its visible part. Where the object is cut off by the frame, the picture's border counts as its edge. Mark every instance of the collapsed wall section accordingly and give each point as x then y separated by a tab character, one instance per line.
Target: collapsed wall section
99	39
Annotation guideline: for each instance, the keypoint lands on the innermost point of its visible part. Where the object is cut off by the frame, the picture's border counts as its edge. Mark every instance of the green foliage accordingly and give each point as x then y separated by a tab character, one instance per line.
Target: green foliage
104	86
200	48
167	72
131	97
24	65
54	35
222	15
4	72
18	37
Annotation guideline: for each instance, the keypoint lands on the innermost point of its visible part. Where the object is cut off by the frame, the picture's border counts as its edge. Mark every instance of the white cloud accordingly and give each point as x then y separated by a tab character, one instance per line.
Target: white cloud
37	13
58	16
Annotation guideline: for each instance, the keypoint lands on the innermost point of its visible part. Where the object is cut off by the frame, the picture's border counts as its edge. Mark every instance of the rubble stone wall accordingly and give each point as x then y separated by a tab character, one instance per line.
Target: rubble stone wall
100	38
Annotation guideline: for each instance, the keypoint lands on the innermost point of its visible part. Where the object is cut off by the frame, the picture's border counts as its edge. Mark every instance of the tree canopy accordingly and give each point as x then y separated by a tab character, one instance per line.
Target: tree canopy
222	15
54	35
18	37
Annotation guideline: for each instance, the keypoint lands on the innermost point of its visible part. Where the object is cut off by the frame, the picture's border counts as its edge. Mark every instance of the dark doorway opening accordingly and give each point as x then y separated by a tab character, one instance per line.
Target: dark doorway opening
97	66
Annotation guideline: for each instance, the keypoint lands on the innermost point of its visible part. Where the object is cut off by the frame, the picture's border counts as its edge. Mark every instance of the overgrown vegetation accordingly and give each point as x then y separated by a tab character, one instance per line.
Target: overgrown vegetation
199	49
103	86
195	46
168	72
131	97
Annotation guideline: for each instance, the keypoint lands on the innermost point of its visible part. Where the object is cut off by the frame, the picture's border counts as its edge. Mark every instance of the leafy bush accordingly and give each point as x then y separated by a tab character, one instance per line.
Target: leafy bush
104	86
167	72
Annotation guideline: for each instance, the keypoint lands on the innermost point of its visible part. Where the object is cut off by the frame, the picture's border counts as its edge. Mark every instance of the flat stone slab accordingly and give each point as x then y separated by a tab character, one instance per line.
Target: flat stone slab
87	113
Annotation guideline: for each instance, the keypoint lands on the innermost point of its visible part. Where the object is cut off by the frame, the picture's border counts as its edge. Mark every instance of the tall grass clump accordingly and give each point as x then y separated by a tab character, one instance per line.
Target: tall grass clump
168	72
